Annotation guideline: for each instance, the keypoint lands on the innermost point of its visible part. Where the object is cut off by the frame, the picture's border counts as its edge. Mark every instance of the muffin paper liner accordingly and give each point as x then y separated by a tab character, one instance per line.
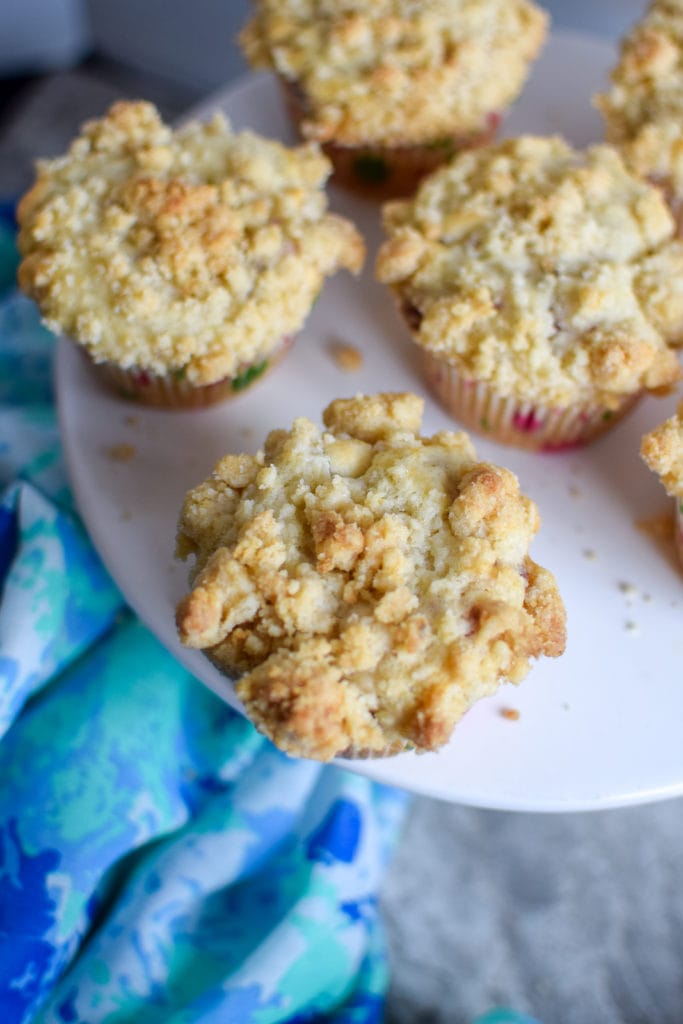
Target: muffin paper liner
522	424
385	172
173	391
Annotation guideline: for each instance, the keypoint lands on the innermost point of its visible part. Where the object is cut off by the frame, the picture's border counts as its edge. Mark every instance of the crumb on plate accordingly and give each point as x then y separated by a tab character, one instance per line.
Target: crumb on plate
347	357
120	452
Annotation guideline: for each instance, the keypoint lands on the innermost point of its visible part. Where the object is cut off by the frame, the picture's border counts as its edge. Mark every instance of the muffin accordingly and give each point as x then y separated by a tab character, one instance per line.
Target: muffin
643	109
368	584
393	89
542	287
662	450
182	262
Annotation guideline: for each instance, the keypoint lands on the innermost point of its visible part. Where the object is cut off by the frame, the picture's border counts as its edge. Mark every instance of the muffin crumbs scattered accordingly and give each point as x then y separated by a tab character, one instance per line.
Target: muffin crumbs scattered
659	527
347	357
123	452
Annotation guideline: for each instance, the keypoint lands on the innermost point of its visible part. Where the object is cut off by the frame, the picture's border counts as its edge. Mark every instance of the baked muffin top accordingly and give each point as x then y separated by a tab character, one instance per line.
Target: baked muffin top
193	250
550	274
396	71
662	450
643	109
369	582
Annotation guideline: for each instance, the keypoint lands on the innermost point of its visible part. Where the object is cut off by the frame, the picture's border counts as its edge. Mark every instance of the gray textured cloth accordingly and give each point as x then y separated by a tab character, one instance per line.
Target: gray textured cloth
573	919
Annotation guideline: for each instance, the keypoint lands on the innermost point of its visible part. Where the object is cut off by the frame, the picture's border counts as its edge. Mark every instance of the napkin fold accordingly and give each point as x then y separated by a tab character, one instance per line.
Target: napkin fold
159	859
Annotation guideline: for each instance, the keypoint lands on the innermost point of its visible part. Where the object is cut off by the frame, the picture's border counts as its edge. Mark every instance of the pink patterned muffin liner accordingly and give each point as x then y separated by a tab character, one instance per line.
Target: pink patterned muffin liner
522	424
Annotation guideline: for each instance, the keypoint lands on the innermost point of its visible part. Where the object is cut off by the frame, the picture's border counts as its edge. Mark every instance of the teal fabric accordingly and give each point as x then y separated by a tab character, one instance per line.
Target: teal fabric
159	859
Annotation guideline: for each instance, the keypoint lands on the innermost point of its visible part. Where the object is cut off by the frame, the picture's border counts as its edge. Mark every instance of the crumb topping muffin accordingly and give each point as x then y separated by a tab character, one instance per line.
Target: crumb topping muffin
643	109
662	450
190	251
369	583
394	70
547	273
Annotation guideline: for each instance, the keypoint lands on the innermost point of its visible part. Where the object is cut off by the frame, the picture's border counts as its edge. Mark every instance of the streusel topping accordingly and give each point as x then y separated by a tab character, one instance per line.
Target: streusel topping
643	109
196	249
662	450
548	273
369	583
397	71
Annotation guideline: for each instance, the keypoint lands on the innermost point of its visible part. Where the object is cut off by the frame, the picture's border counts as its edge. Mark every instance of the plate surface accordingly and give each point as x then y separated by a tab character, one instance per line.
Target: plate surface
598	727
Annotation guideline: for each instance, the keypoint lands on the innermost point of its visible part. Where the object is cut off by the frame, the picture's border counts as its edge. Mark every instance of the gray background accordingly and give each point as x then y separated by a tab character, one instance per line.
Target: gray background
574	919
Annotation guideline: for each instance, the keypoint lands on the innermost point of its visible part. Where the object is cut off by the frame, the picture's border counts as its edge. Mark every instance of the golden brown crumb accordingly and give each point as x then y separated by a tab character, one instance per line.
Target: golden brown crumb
347	357
662	529
370	584
628	589
121	452
512	714
658	526
662	450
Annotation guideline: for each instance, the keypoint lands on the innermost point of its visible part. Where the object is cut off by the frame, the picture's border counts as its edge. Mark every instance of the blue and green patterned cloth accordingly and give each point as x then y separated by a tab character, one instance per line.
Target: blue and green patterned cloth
160	861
